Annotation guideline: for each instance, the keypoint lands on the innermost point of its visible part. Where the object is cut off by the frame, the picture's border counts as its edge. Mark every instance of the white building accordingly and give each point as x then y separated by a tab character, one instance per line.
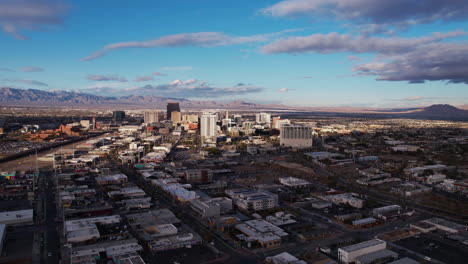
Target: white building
151	117
129	129
208	125
296	136
251	200
247	125
284	258
293	182
21	217
350	253
278	122
263	118
436	178
345	198
81	230
446	226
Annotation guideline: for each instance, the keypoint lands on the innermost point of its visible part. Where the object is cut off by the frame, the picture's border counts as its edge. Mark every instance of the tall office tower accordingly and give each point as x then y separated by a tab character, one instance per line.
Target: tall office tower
225	122
263	118
227	115
247	125
207	125
118	116
275	122
296	136
238	120
176	117
151	117
171	107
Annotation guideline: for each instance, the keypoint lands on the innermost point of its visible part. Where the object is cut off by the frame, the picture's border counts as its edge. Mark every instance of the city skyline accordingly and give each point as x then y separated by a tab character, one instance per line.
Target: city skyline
293	52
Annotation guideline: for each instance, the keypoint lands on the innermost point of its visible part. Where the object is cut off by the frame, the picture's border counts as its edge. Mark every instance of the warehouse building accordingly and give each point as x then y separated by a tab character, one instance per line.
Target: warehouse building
350	253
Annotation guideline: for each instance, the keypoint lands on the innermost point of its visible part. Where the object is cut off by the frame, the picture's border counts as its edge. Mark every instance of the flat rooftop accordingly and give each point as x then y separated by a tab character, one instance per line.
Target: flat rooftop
362	245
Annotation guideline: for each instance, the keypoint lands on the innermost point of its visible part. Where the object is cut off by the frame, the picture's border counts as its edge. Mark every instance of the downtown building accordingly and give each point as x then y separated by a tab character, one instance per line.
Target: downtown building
151	117
118	116
208	126
176	118
296	136
172	107
263	118
251	200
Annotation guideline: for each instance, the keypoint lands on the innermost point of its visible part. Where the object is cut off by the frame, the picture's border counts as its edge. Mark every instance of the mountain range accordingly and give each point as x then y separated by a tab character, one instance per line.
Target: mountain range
40	98
34	97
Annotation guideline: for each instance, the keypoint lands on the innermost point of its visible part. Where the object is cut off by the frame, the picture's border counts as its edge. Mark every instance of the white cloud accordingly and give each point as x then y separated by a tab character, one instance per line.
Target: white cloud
335	42
198	39
17	15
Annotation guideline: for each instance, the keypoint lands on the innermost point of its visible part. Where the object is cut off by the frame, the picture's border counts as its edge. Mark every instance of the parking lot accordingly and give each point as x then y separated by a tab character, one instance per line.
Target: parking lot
436	249
197	253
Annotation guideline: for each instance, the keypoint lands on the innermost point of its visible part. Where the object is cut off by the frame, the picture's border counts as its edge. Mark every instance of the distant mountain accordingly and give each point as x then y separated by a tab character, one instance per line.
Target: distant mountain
34	97
443	111
40	98
13	96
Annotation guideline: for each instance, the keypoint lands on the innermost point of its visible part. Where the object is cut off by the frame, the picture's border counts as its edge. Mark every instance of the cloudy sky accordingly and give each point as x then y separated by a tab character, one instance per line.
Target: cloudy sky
386	53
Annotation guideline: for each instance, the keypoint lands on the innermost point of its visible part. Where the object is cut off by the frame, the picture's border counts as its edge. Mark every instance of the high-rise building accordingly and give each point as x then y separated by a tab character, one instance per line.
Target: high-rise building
151	117
207	125
296	136
278	122
171	107
263	118
275	121
247	125
238	119
176	117
227	115
190	118
118	116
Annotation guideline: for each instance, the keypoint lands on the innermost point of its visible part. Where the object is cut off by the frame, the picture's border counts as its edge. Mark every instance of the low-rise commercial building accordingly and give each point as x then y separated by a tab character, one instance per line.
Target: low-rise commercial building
345	198
211	207
296	136
380	256
293	182
20	217
112	179
446	226
251	200
265	233
198	176
284	258
349	254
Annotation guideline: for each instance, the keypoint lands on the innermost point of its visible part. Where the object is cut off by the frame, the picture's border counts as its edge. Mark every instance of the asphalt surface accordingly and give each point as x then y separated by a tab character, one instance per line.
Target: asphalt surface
50	251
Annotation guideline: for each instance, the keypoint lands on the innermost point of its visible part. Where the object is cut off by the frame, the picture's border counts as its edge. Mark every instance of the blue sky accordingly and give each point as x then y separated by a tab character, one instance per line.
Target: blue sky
298	52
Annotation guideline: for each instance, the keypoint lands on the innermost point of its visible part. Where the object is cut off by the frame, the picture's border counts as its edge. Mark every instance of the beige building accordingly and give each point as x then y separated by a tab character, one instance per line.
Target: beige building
190	118
176	117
